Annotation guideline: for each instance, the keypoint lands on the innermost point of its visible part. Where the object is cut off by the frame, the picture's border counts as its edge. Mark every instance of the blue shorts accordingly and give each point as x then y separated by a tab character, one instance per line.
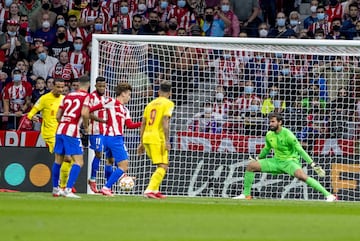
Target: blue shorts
97	142
67	145
115	147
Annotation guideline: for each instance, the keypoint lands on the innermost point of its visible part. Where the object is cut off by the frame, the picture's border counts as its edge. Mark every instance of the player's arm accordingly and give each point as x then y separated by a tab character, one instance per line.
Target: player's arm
166	128
85	114
95	118
141	148
266	149
35	109
59	114
132	125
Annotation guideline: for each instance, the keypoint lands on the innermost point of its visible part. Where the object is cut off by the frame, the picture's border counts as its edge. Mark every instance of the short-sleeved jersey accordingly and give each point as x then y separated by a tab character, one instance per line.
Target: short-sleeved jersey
71	118
48	105
96	127
117	115
285	146
154	113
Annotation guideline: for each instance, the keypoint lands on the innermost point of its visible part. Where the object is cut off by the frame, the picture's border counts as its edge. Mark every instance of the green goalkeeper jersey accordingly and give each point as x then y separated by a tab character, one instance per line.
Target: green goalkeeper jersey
286	146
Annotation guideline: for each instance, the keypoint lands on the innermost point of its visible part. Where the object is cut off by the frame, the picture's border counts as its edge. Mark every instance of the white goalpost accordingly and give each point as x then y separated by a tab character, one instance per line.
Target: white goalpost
223	89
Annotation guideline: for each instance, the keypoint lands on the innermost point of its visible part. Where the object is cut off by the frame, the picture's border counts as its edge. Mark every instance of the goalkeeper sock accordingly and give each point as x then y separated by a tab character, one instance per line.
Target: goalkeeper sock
94	167
116	175
156	179
64	173
108	171
317	186
56	174
74	173
248	181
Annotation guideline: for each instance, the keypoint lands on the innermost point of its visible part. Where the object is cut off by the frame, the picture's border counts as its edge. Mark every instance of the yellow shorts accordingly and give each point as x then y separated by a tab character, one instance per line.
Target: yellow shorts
51	143
157	153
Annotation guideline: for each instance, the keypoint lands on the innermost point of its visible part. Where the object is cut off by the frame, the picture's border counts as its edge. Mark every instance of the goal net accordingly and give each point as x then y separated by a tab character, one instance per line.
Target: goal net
224	89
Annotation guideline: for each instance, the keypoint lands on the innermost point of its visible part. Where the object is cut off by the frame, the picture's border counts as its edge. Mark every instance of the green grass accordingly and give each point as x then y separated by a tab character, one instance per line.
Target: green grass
38	216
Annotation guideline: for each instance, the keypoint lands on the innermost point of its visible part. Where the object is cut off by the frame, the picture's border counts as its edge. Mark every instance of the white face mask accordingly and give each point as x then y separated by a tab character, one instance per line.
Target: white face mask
263	33
46	24
207	110
219	96
313	9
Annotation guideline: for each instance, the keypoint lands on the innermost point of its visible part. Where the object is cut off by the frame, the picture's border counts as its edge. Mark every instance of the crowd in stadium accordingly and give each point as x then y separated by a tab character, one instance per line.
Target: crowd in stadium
42	40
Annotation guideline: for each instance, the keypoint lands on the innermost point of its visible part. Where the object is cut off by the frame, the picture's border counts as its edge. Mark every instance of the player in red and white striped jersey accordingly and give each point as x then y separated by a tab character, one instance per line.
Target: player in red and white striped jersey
118	117
73	111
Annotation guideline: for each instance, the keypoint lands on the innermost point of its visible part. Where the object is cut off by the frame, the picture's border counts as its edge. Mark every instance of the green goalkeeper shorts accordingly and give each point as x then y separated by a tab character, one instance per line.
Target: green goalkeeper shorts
276	166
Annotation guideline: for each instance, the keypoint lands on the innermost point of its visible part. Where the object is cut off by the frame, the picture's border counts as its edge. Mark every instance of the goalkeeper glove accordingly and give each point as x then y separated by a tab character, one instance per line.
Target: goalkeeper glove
251	159
318	169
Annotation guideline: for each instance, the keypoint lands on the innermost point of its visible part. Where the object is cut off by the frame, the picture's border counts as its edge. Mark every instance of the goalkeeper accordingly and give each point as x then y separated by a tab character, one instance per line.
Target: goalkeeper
286	159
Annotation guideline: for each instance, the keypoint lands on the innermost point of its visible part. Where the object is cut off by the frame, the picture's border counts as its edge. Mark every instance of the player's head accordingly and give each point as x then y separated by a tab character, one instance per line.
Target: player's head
275	121
84	82
123	92
100	85
165	89
58	87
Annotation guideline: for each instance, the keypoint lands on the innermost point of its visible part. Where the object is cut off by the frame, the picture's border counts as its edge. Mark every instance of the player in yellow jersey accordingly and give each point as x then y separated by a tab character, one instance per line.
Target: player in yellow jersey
154	137
48	105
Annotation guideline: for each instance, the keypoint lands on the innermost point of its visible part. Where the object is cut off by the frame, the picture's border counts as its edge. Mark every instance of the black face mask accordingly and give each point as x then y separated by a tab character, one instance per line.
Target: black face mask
28	1
173	26
95	4
209	18
153	22
61	36
46	6
336	28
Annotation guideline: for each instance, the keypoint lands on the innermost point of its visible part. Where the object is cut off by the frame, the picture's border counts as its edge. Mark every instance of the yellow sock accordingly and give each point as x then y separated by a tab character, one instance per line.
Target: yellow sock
156	179
64	173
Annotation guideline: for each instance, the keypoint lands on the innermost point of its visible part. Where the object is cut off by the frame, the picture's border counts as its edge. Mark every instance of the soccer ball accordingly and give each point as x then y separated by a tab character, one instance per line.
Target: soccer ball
126	183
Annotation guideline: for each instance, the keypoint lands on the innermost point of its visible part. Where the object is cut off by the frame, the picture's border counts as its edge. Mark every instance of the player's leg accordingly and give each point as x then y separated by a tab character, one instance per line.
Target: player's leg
59	158
159	156
108	169
65	170
96	144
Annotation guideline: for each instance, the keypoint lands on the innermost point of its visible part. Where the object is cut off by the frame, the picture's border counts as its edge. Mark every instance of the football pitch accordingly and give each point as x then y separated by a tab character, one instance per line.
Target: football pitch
39	216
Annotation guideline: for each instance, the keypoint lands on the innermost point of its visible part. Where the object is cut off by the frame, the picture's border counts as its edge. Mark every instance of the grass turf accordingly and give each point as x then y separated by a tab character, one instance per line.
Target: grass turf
38	216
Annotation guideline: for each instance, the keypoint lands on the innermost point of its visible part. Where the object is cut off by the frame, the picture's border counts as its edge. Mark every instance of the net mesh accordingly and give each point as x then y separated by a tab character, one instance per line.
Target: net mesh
223	93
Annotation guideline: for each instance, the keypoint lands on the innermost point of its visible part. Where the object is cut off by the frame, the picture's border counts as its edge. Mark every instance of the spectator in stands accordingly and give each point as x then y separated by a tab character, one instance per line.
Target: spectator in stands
274	102
322	22
221	104
142	10
295	116
215	22
257	72
206	121
183	15
25	75
73	30
254	121
334	10
242	103
336	30
75	85
66	90
136	24
181	32
349	25
268	9
313	101
79	59
33	56
49	83
61	44
263	30
281	30
43	66
172	27
46	32
29	7
308	21
64	70
59	7
60	21
122	19
233	29
356	34
294	22
98	29
247	12
40	89
163	10
13	45
93	12
17	99
151	28
287	82
13	13
35	22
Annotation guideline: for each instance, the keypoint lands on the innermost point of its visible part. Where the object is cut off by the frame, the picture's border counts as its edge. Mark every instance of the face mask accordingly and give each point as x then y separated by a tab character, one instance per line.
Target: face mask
46	6
259	57
142	7
277	103
61	36
285	71
248	89
46	24
17	77
263	33
273	93
8	3
207	110
173	26
254	108
227	56
60	22
209	18
164	5
95	4
338	68
313	9
78	47
225	8
280	22
124	10
320	16
42	56
278	55
12	34
336	28
98	26
219	96
153	22
181	3
294	22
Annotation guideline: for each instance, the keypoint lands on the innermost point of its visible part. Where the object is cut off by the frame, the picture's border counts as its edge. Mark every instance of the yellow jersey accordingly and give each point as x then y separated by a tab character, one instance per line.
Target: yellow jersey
154	113
48	105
